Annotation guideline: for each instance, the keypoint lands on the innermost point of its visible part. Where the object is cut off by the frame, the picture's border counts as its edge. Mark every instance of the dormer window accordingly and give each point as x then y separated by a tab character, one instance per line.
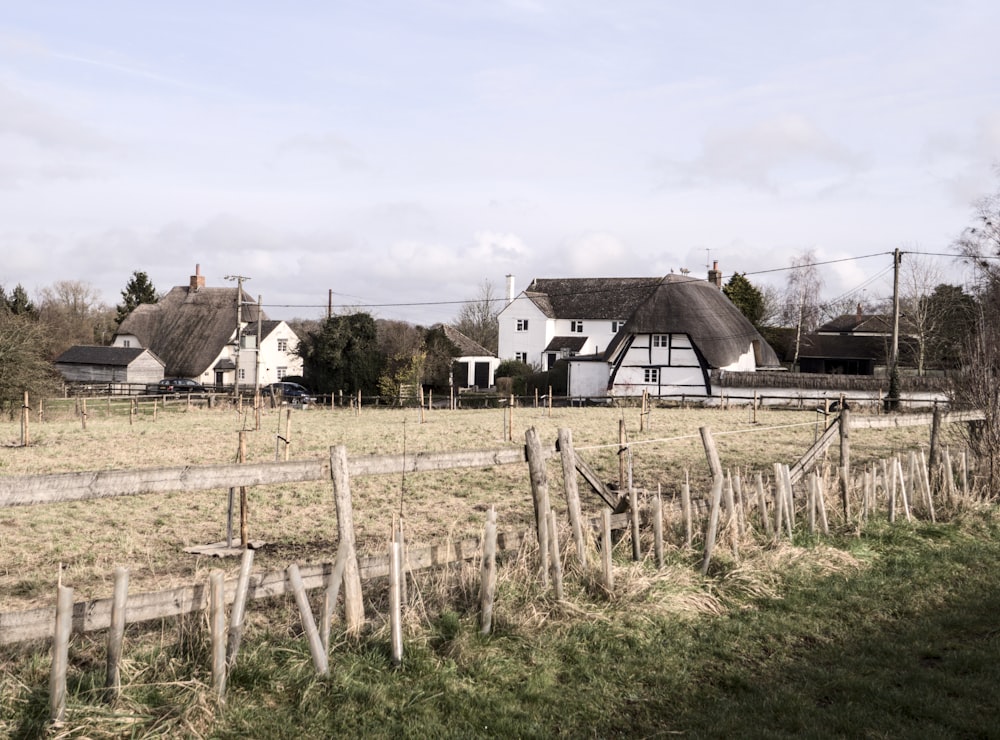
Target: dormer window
616	326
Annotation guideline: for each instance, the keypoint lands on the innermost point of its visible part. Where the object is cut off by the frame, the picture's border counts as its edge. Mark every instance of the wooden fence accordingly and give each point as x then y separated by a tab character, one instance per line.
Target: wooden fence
67	617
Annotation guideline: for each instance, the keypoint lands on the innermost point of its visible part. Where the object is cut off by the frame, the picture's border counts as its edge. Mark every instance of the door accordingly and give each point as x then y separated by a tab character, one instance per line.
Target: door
482	375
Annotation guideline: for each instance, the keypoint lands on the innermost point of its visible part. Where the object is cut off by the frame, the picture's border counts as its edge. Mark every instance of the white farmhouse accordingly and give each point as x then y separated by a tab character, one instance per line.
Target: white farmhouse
630	335
193	329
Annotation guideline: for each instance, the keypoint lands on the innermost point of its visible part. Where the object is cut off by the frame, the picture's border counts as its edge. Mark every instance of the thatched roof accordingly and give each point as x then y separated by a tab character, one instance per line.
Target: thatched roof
589	298
98	355
188	328
684	305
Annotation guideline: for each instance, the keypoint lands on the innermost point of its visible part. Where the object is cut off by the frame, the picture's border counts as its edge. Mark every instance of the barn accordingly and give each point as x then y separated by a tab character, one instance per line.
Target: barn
95	364
682	331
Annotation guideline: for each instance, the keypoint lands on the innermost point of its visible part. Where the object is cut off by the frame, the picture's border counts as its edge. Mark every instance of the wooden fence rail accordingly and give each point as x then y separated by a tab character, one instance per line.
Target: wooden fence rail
24	490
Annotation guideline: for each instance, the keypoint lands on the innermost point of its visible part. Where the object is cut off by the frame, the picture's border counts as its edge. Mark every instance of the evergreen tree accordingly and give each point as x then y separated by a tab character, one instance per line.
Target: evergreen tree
19	303
137	291
343	355
747	298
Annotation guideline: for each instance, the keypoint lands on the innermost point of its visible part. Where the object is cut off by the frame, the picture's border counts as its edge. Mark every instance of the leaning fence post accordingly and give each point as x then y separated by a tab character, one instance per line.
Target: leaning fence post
308	621
60	654
239	607
686	510
540	497
568	457
354	610
845	459
658	527
116	634
606	546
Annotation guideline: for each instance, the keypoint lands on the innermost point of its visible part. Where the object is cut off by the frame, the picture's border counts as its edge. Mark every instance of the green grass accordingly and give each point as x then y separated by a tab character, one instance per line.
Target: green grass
893	634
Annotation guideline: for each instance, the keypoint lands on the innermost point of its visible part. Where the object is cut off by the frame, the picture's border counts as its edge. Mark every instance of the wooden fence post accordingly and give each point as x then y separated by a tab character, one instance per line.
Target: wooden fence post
308	621
288	432
633	505
556	560
60	654
396	601
25	411
540	497
568	456
236	617
333	583
762	503
116	635
711	452
244	505
217	623
488	583
845	460
606	547
713	523
658	527
686	510
354	610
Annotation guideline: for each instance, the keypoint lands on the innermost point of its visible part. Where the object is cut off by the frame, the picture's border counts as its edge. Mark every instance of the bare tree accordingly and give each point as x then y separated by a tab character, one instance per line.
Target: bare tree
477	319
73	313
918	276
802	308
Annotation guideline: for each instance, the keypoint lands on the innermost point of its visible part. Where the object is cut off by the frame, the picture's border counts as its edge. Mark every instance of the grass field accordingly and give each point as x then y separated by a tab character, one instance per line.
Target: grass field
788	640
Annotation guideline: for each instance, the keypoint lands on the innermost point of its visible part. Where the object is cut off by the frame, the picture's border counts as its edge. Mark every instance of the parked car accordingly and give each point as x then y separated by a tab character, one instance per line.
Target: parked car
291	392
179	385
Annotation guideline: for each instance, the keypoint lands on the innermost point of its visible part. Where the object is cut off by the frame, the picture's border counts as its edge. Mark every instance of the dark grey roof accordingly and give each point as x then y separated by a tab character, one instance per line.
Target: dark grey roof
97	355
188	328
684	305
266	327
467	347
850	323
572	343
589	298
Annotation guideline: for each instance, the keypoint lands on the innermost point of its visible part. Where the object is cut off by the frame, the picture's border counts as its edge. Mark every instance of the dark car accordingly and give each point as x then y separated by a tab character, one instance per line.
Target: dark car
179	385
291	392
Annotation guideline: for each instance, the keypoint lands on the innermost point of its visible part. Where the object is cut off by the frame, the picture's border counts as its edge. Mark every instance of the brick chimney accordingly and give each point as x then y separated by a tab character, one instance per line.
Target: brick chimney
715	275
860	314
197	280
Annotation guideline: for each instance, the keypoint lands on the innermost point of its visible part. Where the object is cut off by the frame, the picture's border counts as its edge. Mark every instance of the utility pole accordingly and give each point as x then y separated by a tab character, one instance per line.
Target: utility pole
239	327
256	369
893	400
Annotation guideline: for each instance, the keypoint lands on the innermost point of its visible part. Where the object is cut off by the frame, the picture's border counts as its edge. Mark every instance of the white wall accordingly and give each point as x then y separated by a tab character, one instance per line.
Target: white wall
588	379
532	341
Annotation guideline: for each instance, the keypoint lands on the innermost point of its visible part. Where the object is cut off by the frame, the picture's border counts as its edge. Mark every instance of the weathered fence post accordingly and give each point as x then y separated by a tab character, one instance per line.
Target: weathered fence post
540	497
244	506
845	459
25	411
333	583
488	583
217	625
308	621
606	547
116	634
354	610
633	506
762	503
396	602
288	432
60	654
658	527
236	617
711	452
568	456
557	574
686	509
713	523
731	516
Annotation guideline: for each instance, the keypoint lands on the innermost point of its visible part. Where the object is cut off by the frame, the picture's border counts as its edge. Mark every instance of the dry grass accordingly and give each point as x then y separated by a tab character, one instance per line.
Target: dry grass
147	534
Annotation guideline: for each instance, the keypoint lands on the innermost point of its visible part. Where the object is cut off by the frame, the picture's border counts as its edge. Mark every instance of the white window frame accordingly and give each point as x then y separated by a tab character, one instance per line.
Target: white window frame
651	375
282	345
521	357
281	372
576	326
521	325
661	340
616	326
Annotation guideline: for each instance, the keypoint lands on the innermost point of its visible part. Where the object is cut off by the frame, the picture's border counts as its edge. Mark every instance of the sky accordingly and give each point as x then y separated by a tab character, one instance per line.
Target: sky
399	154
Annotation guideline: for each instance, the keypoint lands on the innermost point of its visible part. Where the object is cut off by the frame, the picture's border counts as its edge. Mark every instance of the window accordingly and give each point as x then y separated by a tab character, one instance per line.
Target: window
651	375
126	343
661	340
616	326
243	373
522	325
282	345
282	372
576	327
521	357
